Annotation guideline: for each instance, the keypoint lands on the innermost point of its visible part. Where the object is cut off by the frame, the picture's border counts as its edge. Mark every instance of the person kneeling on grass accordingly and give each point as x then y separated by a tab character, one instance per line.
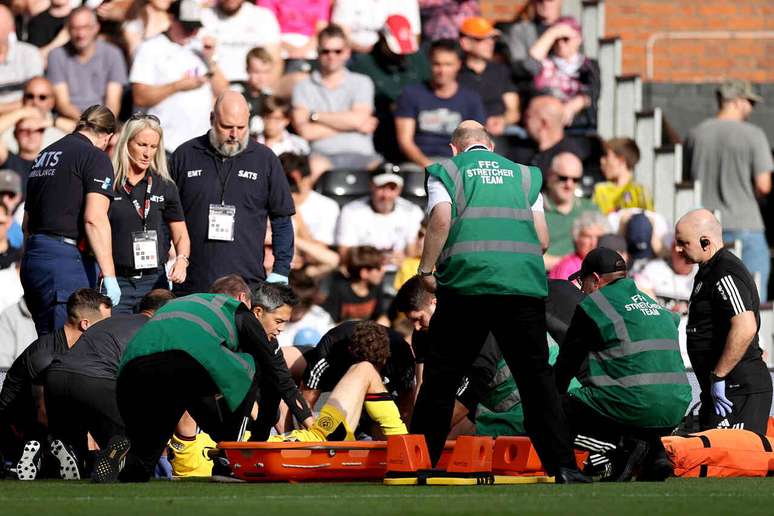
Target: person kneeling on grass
361	386
198	353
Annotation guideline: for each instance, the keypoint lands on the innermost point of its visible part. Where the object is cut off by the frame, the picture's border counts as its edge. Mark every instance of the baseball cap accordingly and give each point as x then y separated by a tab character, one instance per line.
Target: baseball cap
386	175
602	261
478	27
398	35
10	181
187	12
736	89
639	232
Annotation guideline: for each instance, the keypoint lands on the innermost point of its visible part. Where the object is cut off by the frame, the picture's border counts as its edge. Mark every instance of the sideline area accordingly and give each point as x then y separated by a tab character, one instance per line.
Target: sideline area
705	496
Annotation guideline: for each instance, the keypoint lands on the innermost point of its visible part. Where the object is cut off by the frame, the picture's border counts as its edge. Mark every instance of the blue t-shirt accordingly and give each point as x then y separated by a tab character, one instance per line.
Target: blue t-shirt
437	118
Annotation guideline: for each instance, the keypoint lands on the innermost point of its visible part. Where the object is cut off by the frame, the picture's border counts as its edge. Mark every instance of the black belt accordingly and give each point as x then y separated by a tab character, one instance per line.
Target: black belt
129	272
60	238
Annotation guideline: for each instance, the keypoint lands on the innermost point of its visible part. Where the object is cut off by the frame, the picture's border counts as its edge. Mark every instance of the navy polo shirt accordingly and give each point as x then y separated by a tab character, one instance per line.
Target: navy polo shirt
61	176
253	181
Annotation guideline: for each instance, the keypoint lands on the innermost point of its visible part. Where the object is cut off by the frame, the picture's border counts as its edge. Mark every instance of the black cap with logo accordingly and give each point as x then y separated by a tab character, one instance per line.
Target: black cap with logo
602	261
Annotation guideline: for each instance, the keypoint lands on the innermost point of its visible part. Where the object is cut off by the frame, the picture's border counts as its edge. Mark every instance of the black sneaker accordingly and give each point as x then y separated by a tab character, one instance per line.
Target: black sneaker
28	466
571	476
629	462
110	461
68	462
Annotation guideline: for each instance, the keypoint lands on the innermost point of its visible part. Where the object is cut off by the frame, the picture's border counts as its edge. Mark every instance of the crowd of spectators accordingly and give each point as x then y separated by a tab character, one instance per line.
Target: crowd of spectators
374	87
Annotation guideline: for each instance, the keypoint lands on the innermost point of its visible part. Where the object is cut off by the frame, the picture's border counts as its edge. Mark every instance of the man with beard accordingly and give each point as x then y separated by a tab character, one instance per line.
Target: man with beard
229	185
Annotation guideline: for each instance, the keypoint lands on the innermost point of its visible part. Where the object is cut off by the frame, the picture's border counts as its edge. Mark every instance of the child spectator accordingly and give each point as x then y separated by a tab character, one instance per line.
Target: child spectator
275	114
620	191
358	296
307	317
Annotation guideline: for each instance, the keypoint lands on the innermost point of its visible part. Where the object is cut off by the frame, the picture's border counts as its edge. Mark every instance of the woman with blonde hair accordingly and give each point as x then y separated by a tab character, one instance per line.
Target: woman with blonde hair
145	213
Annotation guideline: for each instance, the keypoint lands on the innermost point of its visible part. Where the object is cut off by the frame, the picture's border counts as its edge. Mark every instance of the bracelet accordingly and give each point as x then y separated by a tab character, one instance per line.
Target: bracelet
422	273
184	257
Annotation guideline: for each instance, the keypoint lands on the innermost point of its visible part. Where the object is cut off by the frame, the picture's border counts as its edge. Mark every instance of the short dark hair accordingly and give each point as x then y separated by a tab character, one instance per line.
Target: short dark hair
231	284
304	287
626	149
155	299
362	257
411	296
271	296
291	161
370	343
332	31
275	103
84	301
445	45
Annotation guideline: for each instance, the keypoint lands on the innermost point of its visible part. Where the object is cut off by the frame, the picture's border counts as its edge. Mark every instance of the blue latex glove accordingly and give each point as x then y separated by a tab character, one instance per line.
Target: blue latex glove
112	290
163	468
277	278
723	406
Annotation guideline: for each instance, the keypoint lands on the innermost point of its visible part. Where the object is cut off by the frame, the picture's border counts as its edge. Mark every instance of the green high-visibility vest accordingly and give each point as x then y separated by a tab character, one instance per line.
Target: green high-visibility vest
492	247
638	378
203	326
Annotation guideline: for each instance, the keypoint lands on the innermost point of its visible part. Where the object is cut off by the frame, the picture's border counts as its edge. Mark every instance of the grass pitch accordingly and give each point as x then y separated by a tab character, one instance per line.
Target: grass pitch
677	496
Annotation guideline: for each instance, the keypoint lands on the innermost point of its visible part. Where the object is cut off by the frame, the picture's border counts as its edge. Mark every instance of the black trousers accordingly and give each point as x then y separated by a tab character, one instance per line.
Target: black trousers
457	331
77	405
154	391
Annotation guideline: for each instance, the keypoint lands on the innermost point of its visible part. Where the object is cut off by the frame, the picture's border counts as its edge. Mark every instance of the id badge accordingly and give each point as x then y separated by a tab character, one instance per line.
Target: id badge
221	222
145	245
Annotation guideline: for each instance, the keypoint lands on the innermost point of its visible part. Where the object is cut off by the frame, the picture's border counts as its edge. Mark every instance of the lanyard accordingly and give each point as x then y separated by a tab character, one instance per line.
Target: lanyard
224	182
143	210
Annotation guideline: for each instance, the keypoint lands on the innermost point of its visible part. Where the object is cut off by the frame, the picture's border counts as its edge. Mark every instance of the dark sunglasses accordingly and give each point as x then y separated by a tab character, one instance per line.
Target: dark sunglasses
566	179
144	116
33	96
326	51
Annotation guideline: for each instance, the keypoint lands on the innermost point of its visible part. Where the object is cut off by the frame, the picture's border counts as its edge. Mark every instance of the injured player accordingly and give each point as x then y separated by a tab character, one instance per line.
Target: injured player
361	386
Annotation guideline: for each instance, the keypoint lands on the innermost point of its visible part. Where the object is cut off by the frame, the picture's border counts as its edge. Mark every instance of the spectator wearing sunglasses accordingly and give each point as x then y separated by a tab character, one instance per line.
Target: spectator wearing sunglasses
27	126
145	214
562	206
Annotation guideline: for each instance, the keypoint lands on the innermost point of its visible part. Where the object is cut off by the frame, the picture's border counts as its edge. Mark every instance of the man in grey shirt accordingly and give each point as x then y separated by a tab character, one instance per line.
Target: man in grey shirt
86	71
333	108
732	159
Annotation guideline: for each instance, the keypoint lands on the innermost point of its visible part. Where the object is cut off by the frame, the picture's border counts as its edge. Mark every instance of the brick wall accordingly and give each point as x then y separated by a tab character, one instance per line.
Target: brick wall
685	60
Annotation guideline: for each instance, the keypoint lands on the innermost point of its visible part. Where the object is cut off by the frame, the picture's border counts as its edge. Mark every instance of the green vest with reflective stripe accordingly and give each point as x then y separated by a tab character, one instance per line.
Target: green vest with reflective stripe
203	326
492	247
638	378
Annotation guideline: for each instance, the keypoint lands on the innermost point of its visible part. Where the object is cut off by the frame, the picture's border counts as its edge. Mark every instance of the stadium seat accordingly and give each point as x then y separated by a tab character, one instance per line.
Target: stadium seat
414	187
344	185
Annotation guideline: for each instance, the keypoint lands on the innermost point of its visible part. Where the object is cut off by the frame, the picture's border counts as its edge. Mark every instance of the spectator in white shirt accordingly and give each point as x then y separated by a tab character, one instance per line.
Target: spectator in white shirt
383	220
275	113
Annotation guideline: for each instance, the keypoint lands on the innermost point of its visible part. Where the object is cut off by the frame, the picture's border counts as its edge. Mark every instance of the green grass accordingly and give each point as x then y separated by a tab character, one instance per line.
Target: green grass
685	497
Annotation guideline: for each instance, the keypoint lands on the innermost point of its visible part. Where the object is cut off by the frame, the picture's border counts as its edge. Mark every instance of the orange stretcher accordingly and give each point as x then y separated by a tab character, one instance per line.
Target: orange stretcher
354	460
311	462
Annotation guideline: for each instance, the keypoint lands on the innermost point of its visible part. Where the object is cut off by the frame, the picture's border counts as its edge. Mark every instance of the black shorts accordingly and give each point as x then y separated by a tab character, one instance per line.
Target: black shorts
750	412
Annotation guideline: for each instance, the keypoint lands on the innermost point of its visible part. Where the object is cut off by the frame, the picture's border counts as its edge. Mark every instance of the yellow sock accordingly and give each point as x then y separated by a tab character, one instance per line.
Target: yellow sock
331	425
189	457
383	410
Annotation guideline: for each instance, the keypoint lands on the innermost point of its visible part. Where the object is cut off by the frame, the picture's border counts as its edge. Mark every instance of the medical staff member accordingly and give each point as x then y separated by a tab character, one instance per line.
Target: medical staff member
486	236
69	190
145	213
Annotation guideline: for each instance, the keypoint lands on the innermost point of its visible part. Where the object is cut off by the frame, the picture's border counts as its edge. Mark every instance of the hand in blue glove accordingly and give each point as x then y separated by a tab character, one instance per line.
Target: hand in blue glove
111	288
163	468
277	278
723	406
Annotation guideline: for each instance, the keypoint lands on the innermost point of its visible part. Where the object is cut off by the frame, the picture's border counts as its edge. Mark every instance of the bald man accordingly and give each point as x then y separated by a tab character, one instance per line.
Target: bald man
485	239
722	331
545	127
229	186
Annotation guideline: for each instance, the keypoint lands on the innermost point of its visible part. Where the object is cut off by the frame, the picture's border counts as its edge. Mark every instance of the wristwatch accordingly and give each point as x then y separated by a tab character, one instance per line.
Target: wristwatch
422	273
313	116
